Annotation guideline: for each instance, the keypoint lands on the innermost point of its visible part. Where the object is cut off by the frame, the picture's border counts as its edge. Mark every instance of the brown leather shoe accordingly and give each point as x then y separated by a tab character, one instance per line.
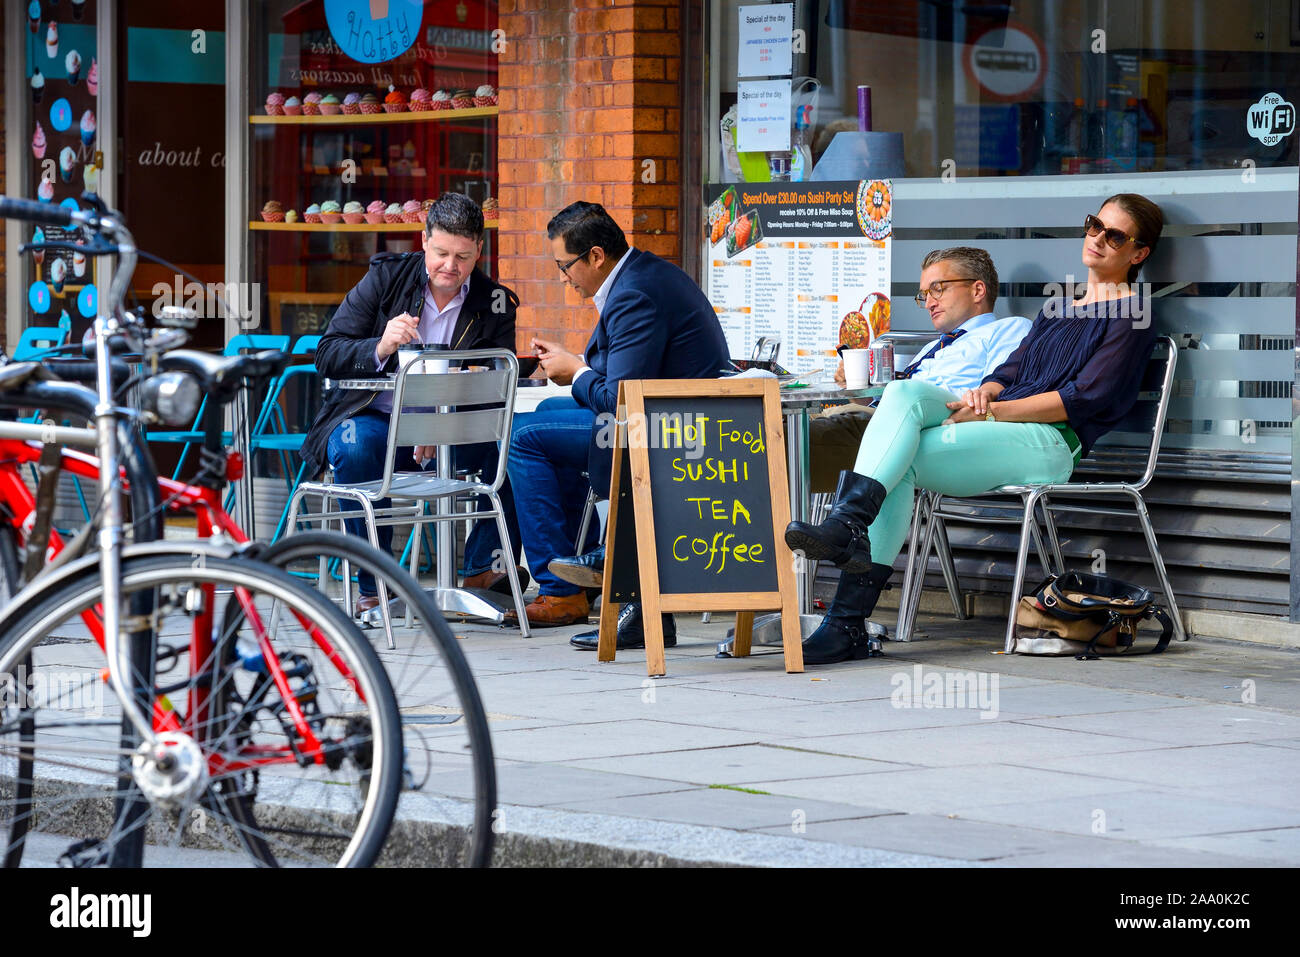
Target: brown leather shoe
548	611
364	604
498	582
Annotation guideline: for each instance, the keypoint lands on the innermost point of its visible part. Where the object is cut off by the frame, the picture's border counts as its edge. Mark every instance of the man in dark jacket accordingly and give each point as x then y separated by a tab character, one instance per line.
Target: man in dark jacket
436	296
654	324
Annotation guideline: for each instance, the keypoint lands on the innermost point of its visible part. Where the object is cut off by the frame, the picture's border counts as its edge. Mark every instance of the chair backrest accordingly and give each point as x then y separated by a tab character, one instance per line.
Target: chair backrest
428	407
36	341
1148	413
306	345
255	341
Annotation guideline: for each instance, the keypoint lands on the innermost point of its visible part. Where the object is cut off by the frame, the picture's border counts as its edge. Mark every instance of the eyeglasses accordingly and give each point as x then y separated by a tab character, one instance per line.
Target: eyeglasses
937	289
565	267
1115	238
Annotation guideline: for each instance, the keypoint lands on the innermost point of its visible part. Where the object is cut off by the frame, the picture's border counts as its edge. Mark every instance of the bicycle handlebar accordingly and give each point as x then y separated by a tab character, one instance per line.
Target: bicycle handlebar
46	214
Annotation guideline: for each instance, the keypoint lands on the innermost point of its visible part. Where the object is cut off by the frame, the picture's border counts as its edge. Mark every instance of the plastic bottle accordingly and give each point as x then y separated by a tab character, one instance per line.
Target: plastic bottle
801	154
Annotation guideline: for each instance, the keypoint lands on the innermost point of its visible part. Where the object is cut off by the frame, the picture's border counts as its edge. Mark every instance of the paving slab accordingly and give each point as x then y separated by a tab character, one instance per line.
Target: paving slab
725	807
1233	768
1195	724
1275	846
739	765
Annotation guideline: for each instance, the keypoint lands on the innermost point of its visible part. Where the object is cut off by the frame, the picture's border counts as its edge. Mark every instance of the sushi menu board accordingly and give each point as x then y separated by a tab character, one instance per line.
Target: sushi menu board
796	261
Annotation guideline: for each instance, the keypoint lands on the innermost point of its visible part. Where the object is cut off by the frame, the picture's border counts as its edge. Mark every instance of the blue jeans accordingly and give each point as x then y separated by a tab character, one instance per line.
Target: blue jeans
356	453
548	454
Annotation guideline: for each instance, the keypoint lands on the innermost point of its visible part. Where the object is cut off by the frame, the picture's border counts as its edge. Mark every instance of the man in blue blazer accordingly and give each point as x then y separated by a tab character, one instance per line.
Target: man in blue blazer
655	323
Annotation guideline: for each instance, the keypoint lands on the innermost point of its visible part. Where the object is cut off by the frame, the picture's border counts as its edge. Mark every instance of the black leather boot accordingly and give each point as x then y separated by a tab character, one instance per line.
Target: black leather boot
842	538
631	634
843	632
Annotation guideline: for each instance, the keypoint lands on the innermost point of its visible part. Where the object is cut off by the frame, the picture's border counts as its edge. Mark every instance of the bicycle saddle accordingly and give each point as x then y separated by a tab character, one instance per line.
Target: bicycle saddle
220	377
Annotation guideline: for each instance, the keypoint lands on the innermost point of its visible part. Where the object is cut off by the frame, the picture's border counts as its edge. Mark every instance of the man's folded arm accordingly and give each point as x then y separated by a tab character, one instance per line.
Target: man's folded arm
637	342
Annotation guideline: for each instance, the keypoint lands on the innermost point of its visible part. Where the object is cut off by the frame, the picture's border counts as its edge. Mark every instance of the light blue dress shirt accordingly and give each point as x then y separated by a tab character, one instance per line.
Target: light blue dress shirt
967	360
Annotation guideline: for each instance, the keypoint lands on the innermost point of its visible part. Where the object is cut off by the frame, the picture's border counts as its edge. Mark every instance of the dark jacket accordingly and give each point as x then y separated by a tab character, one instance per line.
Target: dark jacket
395	284
656	324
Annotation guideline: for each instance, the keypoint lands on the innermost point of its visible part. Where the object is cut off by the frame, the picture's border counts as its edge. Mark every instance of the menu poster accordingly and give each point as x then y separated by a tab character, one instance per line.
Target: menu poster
763	116
765	40
792	261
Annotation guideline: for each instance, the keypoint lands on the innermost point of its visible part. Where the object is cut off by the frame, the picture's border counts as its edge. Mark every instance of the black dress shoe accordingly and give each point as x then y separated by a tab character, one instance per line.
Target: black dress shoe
630	633
586	570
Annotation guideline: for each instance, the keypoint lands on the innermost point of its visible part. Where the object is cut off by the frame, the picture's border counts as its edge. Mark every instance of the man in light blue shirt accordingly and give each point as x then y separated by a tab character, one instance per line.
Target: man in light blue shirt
958	288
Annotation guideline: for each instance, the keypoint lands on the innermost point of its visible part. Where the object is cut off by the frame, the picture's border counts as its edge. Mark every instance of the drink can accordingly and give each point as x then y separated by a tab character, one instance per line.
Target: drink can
881	364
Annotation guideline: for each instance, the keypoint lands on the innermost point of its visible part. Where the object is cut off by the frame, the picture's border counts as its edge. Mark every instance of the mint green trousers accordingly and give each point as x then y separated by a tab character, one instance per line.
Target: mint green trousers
908	446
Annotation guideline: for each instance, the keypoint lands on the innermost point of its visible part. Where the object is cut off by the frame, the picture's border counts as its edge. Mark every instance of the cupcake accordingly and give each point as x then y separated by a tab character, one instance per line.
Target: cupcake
67	160
353	213
78	263
88	127
311	214
490	208
424	209
441	100
38	85
485	95
375	212
45	192
462	100
291	216
311	104
330	105
92	78
38	237
34	16
275	105
90	174
38	141
393	214
273	212
78	9
58	273
420	100
52	40
72	62
370	104
412	211
352	104
394	102
331	212
293	106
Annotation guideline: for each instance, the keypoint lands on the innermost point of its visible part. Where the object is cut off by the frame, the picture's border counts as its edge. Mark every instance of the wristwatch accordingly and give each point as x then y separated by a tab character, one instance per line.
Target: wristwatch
988	415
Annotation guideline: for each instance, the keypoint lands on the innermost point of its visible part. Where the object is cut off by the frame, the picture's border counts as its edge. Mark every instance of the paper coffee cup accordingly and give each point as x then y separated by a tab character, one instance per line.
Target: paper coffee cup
857	368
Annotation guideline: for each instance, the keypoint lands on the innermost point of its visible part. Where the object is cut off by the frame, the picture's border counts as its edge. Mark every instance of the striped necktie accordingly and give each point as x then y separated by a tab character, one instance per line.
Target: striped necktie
944	340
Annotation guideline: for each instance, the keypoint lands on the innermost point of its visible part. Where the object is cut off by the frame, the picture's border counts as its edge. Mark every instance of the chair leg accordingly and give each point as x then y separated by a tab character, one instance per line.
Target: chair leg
909	601
511	571
588	511
943	551
417	533
1158	561
1022	559
1053	538
372	529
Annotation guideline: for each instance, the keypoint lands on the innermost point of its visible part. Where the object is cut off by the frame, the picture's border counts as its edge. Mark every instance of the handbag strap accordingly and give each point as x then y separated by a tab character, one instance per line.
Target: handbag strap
1158	613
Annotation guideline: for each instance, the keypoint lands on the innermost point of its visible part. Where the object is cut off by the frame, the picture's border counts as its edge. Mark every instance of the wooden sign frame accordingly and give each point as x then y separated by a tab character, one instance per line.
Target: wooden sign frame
632	394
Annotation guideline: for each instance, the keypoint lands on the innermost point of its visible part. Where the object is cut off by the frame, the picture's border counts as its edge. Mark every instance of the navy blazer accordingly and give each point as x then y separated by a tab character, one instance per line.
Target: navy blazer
656	324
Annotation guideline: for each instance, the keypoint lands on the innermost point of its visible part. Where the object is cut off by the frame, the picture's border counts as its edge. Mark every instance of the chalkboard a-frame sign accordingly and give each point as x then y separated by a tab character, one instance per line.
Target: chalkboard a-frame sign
698	506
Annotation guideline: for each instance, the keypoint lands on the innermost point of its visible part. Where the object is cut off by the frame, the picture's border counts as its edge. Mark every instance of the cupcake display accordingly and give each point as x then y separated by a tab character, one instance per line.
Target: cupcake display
412	211
52	40
395	101
330	105
393	214
92	78
441	100
67	160
311	214
275	105
421	100
375	212
370	104
352	104
38	85
273	212
353	213
485	95
88	127
72	63
293	106
311	104
462	100
331	212
38	141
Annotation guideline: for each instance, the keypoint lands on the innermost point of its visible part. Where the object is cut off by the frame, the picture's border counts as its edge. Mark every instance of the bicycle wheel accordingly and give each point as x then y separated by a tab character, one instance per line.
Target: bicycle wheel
294	740
448	748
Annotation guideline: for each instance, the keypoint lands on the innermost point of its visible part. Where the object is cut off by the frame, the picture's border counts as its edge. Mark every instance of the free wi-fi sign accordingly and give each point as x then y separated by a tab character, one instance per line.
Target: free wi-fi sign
1271	119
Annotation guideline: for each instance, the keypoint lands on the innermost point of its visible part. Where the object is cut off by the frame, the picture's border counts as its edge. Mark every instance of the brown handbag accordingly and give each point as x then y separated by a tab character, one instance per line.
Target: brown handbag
1086	616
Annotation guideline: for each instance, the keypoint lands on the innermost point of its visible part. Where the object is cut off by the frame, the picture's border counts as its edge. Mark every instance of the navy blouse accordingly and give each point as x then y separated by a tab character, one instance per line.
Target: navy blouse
1092	355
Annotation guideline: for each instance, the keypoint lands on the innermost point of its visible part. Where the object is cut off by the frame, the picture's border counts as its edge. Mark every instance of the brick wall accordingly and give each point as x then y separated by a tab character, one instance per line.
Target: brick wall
590	110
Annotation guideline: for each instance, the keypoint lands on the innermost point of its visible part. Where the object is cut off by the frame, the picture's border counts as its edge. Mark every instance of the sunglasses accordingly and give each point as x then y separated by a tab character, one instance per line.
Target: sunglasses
1115	238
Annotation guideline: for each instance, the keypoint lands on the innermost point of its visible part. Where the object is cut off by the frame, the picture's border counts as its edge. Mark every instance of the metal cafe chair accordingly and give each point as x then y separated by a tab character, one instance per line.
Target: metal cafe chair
933	509
429	408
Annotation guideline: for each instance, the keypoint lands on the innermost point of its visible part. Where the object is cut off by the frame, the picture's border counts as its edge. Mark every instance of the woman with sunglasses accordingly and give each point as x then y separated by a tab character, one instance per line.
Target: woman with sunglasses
1073	378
